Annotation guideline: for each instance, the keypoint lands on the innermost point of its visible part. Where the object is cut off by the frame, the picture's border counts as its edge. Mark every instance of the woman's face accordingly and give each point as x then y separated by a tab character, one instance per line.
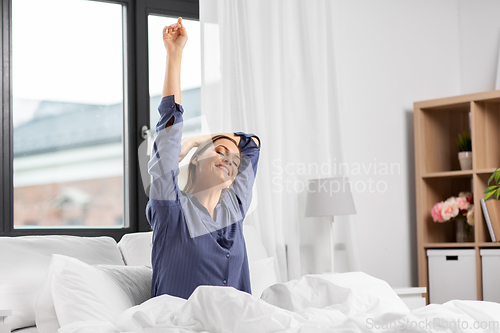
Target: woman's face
218	165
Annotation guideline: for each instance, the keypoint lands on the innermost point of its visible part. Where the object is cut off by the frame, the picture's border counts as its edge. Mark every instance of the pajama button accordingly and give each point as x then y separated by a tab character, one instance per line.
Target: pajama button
224	281
227	255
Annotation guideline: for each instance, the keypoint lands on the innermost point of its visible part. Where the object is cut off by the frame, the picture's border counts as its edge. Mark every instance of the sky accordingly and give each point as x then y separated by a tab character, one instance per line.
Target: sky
72	51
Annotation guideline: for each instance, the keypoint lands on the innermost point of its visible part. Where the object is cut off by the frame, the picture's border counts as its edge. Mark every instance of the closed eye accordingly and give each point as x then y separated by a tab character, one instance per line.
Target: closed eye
221	153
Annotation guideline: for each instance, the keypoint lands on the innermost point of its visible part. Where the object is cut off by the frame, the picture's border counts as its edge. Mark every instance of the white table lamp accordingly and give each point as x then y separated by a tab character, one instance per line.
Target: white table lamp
329	197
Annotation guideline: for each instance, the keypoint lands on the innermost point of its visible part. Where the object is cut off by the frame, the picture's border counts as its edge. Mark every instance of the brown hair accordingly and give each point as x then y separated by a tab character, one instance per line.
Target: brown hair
199	151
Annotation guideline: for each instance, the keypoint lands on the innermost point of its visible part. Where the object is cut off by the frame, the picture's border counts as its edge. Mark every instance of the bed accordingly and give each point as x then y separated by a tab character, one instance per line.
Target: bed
81	294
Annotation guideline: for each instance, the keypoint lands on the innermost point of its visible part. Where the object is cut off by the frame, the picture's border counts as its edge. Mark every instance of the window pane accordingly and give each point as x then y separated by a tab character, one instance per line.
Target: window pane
68	113
190	72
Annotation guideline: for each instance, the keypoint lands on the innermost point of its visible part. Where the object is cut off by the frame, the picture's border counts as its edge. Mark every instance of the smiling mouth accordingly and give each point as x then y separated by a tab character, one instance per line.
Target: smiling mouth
223	167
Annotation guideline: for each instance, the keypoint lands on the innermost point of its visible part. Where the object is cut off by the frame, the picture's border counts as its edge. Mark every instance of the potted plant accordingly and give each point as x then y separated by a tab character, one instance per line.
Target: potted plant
460	210
464	145
493	191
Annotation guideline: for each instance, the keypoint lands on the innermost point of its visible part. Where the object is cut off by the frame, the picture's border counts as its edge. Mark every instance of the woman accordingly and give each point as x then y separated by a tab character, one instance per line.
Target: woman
197	231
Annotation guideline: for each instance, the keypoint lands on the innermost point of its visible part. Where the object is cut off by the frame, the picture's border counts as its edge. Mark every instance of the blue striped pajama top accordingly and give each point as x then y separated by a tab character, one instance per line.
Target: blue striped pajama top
190	248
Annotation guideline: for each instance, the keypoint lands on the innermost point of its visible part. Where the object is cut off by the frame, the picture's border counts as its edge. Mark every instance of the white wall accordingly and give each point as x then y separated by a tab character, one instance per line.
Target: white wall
390	54
479	26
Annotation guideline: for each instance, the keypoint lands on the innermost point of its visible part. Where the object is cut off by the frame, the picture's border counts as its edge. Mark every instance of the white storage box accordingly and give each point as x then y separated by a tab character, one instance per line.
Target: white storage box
490	260
452	275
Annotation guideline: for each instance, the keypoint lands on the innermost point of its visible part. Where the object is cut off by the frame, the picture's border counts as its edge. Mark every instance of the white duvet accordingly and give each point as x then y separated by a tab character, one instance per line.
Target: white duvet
348	302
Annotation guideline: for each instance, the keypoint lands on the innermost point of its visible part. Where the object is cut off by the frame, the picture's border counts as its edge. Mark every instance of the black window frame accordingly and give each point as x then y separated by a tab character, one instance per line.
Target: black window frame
136	114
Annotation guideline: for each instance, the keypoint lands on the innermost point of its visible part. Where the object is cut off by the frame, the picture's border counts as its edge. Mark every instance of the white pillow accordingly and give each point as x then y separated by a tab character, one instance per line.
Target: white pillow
25	260
46	317
262	275
136	248
75	291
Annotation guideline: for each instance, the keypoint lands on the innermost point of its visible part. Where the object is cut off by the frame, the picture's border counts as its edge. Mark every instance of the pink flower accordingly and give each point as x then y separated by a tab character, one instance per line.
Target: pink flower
462	203
467	196
436	212
449	209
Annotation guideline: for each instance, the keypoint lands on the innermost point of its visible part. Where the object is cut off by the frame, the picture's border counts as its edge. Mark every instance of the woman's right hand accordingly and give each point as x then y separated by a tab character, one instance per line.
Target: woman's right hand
175	37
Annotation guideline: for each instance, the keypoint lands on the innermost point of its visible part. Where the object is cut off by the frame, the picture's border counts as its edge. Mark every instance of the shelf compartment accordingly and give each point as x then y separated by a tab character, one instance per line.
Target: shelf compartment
486	148
441	127
483	235
436	190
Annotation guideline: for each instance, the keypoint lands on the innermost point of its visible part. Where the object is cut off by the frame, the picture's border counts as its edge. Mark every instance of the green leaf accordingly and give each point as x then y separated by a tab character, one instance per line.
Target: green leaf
498	194
491	188
489	195
491	178
497	176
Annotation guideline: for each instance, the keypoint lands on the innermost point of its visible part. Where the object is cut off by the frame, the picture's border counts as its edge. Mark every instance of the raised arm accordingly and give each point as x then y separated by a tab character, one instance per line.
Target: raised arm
174	39
163	165
190	142
242	186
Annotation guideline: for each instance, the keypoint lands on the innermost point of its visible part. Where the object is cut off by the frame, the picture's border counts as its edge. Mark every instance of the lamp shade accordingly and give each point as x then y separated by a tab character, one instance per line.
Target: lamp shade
329	197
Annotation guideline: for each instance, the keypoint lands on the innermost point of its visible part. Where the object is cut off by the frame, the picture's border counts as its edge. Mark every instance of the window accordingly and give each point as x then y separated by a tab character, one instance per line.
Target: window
72	78
67	113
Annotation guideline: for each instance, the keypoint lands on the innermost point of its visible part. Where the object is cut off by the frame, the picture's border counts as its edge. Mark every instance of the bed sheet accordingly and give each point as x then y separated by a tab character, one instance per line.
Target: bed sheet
349	302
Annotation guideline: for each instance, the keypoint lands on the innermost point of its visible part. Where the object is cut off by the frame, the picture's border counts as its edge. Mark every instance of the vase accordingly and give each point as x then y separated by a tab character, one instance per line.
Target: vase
465	231
465	158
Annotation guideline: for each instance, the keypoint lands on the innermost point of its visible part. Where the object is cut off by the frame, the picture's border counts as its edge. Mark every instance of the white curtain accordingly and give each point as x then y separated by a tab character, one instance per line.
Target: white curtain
268	68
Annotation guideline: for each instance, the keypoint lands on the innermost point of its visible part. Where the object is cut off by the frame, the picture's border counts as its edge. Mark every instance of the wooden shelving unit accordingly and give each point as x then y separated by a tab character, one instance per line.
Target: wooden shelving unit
438	176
